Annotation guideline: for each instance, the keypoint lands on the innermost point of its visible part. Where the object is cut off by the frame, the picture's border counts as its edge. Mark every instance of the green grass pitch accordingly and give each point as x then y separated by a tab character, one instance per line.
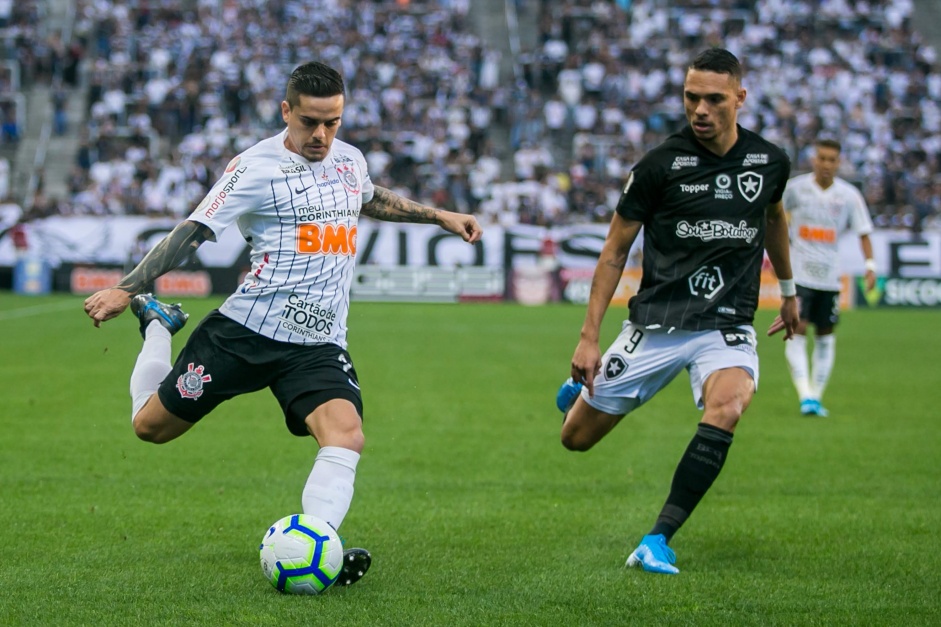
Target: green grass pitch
473	511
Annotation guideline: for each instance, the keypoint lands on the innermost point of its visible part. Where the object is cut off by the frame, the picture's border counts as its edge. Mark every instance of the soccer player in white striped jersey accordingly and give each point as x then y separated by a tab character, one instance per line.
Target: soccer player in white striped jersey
296	198
821	206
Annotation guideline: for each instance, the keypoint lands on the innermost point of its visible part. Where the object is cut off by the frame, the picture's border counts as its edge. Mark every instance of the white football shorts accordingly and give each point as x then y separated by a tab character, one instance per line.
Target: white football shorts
641	362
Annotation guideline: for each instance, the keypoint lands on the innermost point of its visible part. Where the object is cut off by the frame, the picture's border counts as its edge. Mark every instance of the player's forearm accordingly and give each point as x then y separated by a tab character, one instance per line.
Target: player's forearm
390	207
865	243
604	282
168	254
777	244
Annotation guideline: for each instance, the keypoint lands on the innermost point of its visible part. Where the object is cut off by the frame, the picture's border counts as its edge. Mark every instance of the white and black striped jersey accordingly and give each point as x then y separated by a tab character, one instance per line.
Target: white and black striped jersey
299	218
817	218
704	229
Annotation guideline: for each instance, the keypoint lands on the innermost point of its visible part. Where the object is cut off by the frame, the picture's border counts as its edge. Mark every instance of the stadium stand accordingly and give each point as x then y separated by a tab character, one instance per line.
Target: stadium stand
541	132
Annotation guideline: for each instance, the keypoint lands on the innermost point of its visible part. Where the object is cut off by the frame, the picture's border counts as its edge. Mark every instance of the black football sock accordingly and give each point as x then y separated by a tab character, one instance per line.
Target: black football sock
698	468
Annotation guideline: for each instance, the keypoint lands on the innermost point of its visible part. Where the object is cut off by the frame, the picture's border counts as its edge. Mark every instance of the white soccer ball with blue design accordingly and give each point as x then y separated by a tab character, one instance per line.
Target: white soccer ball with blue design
301	554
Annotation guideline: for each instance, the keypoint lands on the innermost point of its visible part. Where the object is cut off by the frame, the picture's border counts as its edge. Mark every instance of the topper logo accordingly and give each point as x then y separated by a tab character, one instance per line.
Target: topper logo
326	239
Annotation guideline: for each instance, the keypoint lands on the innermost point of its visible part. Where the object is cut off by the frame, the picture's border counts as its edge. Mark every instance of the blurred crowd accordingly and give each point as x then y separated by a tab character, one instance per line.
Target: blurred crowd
175	90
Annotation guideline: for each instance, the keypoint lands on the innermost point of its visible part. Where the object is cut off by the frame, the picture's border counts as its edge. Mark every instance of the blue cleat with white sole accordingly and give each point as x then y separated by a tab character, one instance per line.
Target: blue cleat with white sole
812	407
654	556
565	397
147	309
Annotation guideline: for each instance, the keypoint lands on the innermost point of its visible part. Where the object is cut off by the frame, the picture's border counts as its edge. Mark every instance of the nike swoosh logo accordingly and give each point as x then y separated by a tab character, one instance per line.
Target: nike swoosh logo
353	383
303	189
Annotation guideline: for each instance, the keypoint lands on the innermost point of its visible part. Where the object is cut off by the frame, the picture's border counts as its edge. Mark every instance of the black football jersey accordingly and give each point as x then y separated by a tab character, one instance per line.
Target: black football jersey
704	229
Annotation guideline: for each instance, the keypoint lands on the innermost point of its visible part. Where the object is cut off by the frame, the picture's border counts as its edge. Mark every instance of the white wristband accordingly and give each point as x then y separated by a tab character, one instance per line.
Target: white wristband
871	265
787	287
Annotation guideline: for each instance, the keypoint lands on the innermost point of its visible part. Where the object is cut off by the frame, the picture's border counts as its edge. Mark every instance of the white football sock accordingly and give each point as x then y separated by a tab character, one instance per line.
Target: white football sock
153	365
795	349
329	489
823	358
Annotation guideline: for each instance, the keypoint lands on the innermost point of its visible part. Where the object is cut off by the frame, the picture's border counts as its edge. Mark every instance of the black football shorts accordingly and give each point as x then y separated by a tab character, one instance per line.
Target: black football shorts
819	307
223	359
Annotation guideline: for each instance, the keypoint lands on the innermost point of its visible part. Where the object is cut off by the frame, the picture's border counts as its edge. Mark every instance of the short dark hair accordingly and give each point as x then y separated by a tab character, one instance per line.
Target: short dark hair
718	60
313	79
829	143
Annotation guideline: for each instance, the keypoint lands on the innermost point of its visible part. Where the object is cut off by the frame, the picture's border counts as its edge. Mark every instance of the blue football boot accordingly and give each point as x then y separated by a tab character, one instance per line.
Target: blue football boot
147	309
654	556
565	397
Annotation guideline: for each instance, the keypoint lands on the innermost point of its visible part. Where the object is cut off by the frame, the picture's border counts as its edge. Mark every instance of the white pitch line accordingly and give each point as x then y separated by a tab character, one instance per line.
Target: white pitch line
41	309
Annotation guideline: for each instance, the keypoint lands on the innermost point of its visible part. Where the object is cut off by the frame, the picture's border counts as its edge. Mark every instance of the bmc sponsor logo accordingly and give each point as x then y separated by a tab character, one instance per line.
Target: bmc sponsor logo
817	234
695	189
182	283
84	280
326	239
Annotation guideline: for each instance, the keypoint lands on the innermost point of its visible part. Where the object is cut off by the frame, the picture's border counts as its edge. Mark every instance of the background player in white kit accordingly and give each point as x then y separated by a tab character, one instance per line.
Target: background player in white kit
821	206
296	198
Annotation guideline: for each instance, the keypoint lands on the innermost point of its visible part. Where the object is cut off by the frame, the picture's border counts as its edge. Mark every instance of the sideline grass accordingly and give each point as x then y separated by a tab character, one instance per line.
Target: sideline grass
473	511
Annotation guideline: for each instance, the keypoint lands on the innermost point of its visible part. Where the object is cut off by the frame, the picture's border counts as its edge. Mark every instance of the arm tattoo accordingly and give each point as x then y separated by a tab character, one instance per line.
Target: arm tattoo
168	254
390	207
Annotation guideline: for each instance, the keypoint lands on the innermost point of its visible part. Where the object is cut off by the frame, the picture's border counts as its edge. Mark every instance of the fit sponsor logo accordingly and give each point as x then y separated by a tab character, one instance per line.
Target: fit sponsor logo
723	183
706	282
684	162
190	383
214	202
326	239
708	230
755	158
695	189
307	318
749	185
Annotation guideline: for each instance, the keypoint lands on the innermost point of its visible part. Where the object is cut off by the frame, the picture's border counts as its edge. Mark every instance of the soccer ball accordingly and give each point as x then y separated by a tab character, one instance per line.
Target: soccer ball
301	554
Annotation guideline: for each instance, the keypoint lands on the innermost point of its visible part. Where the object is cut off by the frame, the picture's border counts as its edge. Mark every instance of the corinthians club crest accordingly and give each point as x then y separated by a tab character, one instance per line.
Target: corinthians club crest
190	383
749	185
348	178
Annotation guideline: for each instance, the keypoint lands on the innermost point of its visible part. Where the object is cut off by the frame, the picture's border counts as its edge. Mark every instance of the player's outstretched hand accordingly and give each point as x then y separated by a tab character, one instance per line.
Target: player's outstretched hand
586	364
787	320
462	224
106	304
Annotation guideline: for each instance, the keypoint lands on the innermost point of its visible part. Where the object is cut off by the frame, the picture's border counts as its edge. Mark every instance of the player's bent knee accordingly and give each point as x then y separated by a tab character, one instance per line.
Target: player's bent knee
159	428
337	423
576	442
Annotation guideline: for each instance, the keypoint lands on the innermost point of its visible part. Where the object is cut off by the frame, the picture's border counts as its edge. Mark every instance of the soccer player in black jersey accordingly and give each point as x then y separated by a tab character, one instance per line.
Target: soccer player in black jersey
709	200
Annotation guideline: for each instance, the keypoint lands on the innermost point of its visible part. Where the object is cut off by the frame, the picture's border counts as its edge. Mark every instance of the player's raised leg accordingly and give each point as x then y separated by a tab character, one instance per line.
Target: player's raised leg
328	493
158	323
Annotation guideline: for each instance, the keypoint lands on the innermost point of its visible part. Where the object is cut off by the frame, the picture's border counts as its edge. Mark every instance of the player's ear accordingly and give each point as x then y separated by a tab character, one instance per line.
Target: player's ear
285	111
740	98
